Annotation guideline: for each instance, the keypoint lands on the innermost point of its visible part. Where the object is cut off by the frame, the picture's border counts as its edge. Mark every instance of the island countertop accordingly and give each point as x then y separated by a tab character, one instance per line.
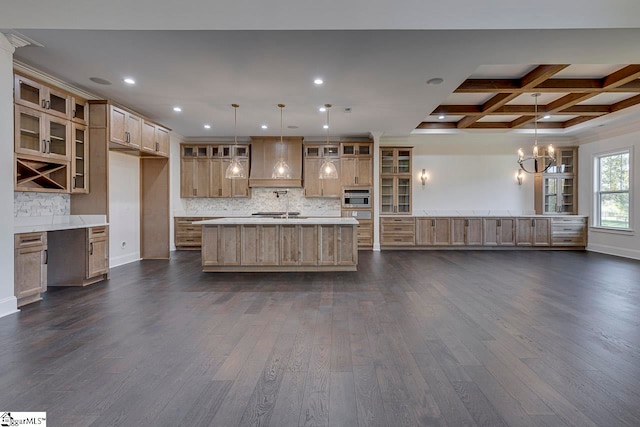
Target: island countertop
291	220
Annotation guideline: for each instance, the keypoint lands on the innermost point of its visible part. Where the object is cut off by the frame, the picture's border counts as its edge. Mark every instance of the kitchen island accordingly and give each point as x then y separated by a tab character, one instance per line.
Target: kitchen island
279	244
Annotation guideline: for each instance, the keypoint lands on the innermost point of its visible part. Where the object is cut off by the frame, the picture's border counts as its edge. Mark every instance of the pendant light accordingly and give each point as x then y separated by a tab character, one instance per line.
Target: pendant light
281	169
328	169
531	164
235	169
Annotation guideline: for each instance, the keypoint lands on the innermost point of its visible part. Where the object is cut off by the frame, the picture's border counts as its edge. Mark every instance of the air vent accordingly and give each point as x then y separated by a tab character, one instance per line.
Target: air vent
347	109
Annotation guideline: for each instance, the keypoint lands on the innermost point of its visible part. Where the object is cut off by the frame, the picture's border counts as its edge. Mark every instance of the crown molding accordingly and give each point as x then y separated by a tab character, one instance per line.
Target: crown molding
46	78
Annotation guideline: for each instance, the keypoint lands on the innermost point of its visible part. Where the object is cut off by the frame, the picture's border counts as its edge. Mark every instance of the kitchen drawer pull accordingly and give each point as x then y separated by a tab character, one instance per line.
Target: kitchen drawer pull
91	248
46	256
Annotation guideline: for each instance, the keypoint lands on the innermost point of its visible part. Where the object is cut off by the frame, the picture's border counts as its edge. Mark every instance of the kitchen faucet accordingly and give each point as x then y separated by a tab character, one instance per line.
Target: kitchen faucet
279	193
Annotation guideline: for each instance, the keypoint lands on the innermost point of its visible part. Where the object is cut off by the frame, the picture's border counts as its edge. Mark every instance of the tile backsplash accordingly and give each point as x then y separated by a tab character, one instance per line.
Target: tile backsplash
40	204
263	200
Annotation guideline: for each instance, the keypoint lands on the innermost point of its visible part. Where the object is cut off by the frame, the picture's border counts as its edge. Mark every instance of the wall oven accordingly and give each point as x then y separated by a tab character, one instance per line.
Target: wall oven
356	197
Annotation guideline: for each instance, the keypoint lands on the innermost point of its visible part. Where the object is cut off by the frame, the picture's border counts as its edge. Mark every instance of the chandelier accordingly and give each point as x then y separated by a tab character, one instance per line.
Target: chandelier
328	169
281	169
235	168
536	162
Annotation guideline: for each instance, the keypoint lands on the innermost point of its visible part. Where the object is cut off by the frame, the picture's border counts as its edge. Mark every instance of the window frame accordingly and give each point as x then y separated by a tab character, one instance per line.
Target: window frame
597	194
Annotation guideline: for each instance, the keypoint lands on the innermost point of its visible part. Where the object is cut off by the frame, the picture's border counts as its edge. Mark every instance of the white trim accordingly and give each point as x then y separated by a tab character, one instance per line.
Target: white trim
614	250
595	189
8	306
124	259
610	230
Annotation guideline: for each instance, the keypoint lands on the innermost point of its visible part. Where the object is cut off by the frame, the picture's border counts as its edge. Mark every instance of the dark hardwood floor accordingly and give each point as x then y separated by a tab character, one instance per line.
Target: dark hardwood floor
411	339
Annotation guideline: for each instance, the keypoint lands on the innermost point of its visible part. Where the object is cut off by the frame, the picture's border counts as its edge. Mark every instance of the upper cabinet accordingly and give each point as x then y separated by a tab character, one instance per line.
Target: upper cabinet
133	133
41	135
79	159
356	164
314	156
266	152
556	190
41	97
155	139
395	180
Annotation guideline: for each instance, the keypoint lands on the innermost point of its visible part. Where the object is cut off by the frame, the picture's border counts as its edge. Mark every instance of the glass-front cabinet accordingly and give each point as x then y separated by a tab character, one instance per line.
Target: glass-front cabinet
559	194
41	135
79	163
395	180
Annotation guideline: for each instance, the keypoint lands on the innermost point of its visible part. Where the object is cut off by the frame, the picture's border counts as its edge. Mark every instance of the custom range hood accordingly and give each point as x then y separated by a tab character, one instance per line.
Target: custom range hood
266	151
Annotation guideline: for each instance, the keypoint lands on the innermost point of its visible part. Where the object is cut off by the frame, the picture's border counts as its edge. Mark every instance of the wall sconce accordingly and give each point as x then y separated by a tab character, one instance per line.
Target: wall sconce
424	177
520	177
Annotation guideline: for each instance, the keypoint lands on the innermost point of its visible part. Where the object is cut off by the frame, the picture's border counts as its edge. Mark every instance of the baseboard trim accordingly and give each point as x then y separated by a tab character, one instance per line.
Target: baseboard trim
614	250
8	306
123	259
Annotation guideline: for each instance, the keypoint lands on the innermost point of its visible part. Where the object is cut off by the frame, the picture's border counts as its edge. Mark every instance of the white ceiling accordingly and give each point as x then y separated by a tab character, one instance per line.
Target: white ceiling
381	75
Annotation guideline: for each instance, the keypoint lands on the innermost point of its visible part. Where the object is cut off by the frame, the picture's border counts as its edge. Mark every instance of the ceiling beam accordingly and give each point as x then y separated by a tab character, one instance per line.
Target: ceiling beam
625	103
622	76
576	121
527	110
559	85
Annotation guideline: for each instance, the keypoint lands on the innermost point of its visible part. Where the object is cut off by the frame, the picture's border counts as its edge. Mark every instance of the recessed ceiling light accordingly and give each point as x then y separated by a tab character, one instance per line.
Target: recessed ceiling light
207	126
325	127
100	81
177	109
322	109
129	81
441	117
435	81
546	117
318	81
264	126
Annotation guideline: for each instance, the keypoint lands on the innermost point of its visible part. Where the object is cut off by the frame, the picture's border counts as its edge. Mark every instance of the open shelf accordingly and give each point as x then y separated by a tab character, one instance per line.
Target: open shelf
38	175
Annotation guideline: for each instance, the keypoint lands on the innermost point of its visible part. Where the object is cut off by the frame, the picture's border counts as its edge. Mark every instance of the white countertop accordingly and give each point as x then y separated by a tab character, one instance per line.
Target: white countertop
477	213
254	220
56	222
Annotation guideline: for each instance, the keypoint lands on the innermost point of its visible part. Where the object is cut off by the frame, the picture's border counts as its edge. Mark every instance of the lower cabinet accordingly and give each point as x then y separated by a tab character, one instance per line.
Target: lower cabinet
97	252
569	231
499	232
397	231
30	261
466	231
186	235
433	231
533	232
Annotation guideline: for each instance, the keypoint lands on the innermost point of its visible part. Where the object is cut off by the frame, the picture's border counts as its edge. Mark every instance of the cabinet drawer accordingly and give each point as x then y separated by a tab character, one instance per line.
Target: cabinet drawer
567	230
29	240
570	220
386	221
188	241
397	239
568	241
398	228
98	232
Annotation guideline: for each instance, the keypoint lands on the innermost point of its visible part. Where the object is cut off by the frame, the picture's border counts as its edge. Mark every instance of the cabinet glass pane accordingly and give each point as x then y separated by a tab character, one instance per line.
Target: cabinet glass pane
386	191
241	151
226	151
78	112
404	161
202	151
566	161
30	132
566	187
188	152
58	103
313	151
215	151
331	151
404	195
57	138
387	162
364	150
348	149
79	141
550	195
30	93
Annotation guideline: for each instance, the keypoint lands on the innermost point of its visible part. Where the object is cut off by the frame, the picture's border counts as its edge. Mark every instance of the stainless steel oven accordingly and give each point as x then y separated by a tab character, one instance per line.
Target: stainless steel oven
356	198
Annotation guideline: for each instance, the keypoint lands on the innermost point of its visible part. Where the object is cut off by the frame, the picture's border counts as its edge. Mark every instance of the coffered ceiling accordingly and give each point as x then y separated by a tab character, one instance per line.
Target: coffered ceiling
566	96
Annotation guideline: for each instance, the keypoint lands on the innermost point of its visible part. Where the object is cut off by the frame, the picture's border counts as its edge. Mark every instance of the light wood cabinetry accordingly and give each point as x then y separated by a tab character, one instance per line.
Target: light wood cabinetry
79	159
30	265
34	174
433	231
266	151
569	231
279	247
40	134
195	171
125	128
97	251
314	156
155	139
533	232
187	235
499	231
466	231
356	164
397	231
556	191
79	110
39	96
395	180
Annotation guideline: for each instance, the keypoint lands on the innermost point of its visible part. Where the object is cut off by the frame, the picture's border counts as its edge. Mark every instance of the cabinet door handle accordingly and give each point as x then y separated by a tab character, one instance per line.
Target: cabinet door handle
48	105
46	256
74	182
499	223
48	146
43	146
356	179
194	192
466	222
220	192
157	146
533	222
91	248
74	113
44	103
433	222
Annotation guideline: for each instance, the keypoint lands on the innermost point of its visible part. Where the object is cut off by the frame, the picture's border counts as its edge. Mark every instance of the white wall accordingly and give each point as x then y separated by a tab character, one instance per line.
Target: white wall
8	302
614	243
124	208
470	171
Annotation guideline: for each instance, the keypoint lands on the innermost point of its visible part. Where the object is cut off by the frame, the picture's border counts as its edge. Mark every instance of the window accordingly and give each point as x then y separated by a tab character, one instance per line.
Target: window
612	190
